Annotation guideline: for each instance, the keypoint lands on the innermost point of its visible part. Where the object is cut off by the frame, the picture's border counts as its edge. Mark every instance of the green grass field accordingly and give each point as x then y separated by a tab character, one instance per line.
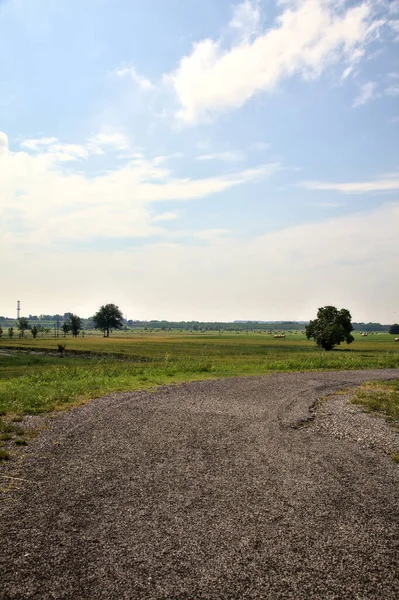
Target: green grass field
94	365
35	378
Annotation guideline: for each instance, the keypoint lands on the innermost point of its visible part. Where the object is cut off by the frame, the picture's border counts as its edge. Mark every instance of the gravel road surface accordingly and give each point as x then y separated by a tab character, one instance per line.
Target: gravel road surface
203	491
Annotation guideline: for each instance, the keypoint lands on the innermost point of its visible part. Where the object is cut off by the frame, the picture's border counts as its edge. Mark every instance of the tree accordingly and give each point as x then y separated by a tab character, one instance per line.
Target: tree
331	327
75	324
22	325
66	327
108	317
1	331
10	332
34	331
394	328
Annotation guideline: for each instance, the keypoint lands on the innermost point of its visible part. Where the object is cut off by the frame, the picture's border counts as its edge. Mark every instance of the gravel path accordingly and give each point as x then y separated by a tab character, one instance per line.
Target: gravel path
203	491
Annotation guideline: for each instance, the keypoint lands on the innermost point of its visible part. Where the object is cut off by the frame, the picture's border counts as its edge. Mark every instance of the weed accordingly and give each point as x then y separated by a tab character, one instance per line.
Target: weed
381	397
21	442
4	455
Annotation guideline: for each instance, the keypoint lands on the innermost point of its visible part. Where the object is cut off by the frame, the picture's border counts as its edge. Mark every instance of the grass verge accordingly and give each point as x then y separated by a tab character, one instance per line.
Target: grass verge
381	397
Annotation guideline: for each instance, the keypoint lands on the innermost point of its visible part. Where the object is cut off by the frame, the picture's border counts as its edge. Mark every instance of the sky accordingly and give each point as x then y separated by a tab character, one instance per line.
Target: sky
200	160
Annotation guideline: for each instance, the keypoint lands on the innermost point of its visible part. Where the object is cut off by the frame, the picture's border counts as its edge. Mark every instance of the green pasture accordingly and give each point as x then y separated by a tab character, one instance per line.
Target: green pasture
36	378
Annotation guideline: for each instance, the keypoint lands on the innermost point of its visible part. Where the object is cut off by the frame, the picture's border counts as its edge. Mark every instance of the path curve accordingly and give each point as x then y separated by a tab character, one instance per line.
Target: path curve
203	491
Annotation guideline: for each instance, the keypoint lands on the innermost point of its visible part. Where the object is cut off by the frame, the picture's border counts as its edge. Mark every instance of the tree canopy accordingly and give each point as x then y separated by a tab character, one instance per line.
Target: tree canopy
394	328
331	327
108	317
75	324
22	325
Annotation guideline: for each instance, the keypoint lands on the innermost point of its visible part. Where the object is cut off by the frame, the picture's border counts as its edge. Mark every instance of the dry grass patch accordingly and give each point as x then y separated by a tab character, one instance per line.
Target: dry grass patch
381	397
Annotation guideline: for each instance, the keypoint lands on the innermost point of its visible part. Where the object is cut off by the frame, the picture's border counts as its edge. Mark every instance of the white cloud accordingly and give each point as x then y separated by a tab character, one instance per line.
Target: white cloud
392	90
224	156
328	205
246	18
142	82
107	138
366	93
159	160
393	6
66	152
387	184
346	73
394	25
38	143
212	234
168	216
3	142
261	146
306	38
251	279
59	151
52	205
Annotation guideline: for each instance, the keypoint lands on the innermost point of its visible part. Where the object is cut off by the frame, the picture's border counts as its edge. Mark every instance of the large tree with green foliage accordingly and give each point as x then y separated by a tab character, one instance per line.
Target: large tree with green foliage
108	317
394	329
331	327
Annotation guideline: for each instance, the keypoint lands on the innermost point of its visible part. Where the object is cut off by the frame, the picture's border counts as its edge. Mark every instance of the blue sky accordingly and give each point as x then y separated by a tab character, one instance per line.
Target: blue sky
200	160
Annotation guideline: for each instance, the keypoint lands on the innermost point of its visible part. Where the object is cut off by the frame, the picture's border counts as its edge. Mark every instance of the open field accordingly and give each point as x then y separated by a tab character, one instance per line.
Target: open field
93	366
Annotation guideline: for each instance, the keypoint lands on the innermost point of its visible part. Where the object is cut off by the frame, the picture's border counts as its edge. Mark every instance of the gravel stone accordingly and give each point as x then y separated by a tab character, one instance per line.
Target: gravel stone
337	416
205	491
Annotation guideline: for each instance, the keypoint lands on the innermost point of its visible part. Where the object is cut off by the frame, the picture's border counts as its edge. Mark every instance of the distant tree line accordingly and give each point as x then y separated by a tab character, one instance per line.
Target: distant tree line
109	318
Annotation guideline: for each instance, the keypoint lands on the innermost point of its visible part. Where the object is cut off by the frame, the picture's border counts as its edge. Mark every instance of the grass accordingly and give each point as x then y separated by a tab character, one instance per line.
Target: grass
32	383
381	397
4	455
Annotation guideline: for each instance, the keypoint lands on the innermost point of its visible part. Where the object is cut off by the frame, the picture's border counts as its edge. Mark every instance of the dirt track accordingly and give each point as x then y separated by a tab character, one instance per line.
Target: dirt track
203	491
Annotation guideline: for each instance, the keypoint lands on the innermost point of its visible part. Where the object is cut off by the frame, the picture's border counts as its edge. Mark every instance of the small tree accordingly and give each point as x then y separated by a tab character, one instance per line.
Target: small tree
22	325
394	329
34	331
66	327
108	317
10	332
1	331
331	327
74	324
